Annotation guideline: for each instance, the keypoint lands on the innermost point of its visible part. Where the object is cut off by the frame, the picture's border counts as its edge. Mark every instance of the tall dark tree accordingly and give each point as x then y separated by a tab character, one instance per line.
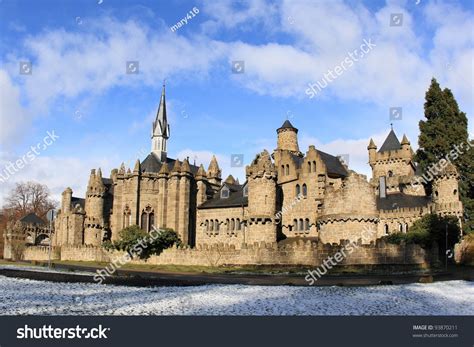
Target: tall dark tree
445	129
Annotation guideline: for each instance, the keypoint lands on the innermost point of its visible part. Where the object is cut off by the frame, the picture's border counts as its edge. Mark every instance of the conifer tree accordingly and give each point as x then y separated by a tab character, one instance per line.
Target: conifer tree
444	128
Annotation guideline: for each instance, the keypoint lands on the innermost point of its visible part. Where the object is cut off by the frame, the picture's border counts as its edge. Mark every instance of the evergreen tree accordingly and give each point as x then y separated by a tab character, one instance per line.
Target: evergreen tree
444	128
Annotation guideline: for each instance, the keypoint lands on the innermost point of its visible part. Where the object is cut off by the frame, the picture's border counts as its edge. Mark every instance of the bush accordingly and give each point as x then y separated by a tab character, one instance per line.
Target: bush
138	243
428	230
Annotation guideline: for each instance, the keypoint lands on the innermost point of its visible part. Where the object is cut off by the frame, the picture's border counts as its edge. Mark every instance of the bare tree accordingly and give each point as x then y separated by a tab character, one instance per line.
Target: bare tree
28	197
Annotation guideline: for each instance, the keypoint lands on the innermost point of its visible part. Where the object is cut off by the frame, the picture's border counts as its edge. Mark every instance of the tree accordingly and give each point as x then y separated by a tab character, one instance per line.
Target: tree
139	243
445	129
26	198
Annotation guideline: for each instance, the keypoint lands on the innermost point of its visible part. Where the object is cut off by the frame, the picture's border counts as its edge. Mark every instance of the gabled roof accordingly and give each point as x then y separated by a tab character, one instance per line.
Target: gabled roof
391	143
32	218
236	198
333	164
152	164
75	201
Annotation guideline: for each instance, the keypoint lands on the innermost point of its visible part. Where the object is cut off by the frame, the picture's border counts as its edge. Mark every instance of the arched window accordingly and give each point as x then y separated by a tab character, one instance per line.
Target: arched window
126	216
385	229
283	170
238	224
232	224
151	221
455	192
309	166
306	224
298	190
211	225
207	225
400	227
390	173
436	193
301	227
314	166
295	224
227	221
246	190
287	172
224	193
216	228
305	190
144	223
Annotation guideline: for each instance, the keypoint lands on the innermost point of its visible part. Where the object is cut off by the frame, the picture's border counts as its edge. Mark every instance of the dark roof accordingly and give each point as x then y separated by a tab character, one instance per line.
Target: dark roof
107	181
32	218
333	164
152	164
236	198
400	200
287	125
391	143
80	201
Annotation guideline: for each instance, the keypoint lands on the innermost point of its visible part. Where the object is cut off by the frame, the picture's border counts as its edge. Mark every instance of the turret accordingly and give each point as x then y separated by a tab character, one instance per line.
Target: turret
262	186
372	148
214	172
201	182
66	200
288	138
94	223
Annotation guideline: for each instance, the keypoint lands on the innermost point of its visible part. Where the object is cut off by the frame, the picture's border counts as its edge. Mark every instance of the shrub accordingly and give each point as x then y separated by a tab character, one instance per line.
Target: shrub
139	243
428	230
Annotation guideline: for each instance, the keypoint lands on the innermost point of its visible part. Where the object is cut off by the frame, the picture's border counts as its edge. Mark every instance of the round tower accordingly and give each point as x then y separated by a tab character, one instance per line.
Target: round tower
288	138
66	200
94	223
446	186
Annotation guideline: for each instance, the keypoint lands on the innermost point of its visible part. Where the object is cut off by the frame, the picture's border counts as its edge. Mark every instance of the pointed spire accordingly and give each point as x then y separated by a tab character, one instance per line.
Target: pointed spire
137	166
372	144
230	180
161	130
122	168
99	173
214	170
201	172
405	140
164	169
185	166
391	143
176	166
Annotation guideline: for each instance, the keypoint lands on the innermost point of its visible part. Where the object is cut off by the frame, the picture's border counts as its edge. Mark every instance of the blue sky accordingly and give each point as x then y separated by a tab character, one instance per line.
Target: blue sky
79	88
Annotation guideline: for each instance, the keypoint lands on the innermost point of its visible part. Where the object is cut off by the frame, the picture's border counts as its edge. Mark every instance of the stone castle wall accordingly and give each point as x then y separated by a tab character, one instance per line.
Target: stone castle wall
304	253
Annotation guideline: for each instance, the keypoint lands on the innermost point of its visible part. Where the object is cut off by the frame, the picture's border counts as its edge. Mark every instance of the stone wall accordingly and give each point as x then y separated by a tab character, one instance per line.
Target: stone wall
305	253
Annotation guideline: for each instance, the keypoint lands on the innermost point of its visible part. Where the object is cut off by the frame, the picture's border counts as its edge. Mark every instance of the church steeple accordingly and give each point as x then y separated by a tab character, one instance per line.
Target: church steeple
161	131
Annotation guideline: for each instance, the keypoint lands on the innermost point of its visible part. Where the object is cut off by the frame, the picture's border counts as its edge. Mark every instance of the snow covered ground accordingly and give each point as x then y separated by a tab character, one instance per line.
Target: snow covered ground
22	296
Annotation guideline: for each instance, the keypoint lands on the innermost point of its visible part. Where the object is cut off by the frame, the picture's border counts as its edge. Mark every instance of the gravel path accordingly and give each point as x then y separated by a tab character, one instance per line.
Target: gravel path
22	296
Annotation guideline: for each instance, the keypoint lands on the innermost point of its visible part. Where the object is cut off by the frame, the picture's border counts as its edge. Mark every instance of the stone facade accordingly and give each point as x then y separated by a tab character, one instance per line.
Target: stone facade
288	195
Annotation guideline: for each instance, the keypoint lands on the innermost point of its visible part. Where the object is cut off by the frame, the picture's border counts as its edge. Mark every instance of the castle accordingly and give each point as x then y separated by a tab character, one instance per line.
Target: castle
287	194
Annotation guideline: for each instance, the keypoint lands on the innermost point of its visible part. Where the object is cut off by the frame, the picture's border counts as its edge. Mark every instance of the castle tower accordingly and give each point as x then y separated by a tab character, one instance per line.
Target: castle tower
262	192
94	223
161	131
66	200
446	186
214	174
288	138
201	182
393	159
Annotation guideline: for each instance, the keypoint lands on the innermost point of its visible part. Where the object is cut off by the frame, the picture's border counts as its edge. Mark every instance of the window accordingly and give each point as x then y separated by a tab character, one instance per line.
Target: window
283	170
151	221
306	224
224	193
301	225
400	227
390	173
211	225
385	229
287	172
216	228
238	224
295	224
436	193
455	192
309	166
305	190
227	221
144	221
246	190
298	190
314	166
206	224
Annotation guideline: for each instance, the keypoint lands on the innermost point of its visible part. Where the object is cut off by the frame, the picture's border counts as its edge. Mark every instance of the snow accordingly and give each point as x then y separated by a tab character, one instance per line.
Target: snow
45	269
23	296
